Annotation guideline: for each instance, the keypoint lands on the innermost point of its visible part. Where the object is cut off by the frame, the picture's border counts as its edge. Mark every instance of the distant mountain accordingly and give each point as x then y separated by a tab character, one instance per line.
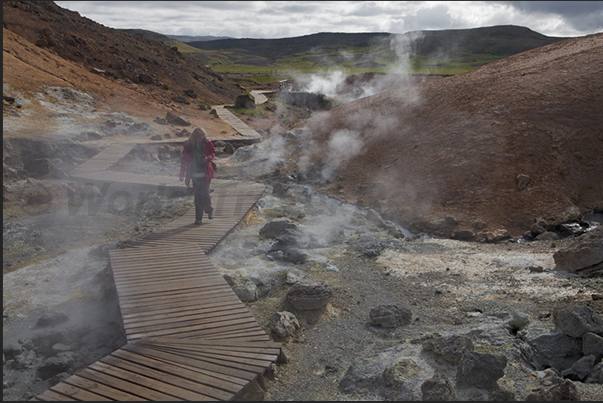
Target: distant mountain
205	38
502	40
497	40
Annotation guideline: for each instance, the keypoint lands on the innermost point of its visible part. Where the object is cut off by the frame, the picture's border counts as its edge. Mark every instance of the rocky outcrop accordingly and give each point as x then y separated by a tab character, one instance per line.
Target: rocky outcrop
584	256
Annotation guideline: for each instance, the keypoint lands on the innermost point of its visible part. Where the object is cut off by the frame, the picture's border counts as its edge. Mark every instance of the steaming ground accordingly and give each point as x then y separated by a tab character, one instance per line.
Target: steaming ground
450	286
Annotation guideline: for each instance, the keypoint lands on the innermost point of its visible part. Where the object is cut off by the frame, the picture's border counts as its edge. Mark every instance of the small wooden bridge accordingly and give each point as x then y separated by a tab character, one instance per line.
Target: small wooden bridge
189	337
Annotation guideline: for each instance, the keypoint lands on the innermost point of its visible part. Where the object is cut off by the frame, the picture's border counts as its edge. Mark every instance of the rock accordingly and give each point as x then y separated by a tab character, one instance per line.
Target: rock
596	375
370	246
374	217
25	360
245	289
519	321
38	167
522	181
555	388
437	388
293	276
547	236
580	369
177	120
480	370
52	319
245	101
307	295
273	229
390	316
464	235
284	325
404	378
293	255
39	195
62	362
575	321
553	349
584	256
11	350
592	344
449	349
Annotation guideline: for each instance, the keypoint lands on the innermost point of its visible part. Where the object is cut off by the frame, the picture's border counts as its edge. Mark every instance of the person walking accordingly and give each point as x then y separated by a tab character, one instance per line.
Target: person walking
195	164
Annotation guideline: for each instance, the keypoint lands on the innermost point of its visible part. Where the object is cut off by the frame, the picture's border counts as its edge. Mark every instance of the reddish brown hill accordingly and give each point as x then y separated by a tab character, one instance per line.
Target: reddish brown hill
458	146
148	66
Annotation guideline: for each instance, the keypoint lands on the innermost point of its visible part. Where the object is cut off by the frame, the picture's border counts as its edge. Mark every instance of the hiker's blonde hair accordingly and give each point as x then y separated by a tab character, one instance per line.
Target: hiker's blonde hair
197	133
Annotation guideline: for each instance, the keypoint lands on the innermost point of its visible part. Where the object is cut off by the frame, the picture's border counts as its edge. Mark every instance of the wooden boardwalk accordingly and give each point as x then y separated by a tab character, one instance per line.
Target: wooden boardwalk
189	337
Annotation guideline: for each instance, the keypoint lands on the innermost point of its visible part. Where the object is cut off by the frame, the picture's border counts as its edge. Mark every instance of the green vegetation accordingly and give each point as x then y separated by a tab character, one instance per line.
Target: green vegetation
425	52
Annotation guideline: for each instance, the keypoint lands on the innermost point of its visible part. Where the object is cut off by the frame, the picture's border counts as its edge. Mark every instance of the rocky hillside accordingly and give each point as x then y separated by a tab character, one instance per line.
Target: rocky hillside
479	156
158	70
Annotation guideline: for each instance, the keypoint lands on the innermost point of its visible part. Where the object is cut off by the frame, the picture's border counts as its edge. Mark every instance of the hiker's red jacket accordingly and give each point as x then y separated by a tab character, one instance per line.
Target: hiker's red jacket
186	162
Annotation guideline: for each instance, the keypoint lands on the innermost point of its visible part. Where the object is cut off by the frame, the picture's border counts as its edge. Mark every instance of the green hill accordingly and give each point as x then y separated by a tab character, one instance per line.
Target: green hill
426	52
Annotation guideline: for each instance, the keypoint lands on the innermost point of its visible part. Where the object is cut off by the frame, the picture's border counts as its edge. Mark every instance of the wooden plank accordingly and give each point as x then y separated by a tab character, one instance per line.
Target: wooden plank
226	382
124	381
100	389
189	316
172	325
142	381
186	308
76	393
191	362
52	396
178	386
200	328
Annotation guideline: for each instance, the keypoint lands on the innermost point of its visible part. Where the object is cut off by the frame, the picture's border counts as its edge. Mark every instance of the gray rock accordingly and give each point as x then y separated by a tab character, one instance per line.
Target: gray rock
547	236
374	217
575	321
307	295
370	246
437	388
449	349
580	369
596	375
553	349
557	389
519	320
276	228
481	370
62	362
284	325
592	344
390	316
52	319
295	256
25	360
585	255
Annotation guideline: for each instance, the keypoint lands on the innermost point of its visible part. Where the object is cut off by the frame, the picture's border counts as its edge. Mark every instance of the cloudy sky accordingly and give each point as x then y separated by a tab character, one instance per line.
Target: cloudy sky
284	19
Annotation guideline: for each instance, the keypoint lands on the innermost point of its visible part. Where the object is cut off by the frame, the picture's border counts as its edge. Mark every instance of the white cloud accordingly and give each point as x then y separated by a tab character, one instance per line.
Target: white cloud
282	19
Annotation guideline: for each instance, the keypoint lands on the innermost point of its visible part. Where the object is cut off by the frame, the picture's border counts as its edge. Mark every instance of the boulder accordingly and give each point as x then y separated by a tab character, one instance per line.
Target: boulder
390	316
584	256
284	325
307	295
481	370
245	101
